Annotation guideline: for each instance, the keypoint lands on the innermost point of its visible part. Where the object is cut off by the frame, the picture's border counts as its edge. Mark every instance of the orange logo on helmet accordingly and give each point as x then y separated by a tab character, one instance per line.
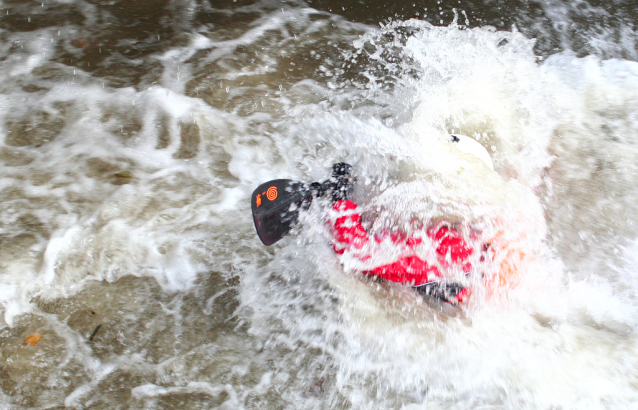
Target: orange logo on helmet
271	193
258	200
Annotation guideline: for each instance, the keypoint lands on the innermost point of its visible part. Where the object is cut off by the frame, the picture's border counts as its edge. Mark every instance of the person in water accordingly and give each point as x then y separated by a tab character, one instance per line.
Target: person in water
451	250
276	205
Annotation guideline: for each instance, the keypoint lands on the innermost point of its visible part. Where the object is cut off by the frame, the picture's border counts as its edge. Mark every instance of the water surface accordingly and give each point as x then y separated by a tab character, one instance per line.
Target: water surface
133	133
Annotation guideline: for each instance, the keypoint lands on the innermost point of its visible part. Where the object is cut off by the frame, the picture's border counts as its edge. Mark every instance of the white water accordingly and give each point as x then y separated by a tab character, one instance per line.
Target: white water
101	183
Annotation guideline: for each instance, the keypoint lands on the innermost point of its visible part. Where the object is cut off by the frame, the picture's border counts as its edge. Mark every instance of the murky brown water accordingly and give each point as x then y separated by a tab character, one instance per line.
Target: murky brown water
133	133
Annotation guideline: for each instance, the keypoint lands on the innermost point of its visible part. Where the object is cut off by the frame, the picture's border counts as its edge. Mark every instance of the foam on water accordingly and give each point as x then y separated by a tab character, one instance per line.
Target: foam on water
135	200
559	340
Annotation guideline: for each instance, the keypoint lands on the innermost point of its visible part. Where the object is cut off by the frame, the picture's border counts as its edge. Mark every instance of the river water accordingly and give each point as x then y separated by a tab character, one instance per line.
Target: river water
133	134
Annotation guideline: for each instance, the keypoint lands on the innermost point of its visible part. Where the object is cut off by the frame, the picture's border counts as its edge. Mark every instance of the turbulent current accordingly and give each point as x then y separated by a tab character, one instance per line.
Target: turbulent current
133	133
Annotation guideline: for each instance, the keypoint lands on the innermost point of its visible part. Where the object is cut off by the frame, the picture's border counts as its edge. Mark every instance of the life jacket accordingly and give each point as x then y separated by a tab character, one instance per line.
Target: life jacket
452	251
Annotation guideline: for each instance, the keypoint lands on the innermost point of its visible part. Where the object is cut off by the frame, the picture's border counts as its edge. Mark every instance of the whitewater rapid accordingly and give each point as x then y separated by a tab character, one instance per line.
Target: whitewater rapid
126	238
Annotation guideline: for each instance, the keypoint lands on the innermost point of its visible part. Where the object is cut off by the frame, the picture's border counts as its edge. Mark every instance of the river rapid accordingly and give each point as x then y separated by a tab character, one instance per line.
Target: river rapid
132	134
